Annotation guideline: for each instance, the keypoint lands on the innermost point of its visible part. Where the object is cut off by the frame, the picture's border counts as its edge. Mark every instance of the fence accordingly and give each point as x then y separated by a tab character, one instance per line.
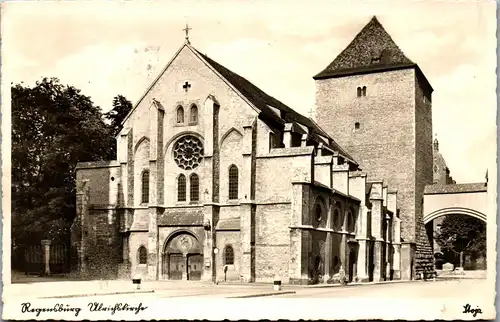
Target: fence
59	259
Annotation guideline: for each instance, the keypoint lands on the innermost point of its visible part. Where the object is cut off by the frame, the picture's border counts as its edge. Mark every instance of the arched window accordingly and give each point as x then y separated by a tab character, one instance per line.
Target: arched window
337	221
350	223
233	182
193	114
180	114
319	212
143	255
228	256
194	187
181	188
364	91
145	187
359	91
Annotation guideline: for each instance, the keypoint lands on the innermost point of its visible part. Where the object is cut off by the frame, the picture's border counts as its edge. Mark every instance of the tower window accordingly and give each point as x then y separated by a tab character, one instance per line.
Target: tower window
145	187
233	182
359	91
181	188
194	187
357	125
363	91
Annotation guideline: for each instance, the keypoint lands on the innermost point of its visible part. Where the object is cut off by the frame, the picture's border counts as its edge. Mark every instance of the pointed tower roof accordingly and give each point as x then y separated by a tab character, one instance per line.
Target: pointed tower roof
372	50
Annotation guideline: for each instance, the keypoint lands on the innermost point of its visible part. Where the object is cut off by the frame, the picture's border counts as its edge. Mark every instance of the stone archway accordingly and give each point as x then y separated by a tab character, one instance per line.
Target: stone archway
464	258
182	257
454	211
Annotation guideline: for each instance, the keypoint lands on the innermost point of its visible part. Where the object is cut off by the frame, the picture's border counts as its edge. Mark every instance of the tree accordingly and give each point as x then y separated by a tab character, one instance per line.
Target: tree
121	107
462	233
53	127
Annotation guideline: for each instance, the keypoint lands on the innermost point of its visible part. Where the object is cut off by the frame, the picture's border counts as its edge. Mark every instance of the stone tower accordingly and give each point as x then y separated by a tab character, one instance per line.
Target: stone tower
377	104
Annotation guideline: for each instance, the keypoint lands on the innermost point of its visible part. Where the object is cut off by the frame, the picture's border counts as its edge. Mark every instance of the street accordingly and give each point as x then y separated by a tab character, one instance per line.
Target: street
415	299
120	290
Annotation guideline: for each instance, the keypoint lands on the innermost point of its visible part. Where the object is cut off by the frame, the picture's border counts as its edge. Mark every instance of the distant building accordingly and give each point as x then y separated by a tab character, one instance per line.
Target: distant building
441	170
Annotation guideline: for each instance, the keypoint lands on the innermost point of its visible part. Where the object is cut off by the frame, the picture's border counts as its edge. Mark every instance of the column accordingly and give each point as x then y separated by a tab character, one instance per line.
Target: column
328	243
378	247
247	231
343	242
184	272
155	158
362	271
407	263
361	237
153	244
210	218
298	207
46	256
287	135
396	244
130	169
387	250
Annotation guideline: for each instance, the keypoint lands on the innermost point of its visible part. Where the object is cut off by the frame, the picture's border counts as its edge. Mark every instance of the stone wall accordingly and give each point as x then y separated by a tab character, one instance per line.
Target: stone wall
424	261
226	272
136	240
272	242
384	143
103	244
96	238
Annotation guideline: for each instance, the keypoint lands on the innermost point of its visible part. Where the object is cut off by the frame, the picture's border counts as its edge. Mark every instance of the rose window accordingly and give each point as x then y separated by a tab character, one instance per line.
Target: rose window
188	152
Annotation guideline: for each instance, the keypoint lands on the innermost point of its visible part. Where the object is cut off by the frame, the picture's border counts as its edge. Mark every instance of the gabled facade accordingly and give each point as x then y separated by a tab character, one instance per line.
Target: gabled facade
216	180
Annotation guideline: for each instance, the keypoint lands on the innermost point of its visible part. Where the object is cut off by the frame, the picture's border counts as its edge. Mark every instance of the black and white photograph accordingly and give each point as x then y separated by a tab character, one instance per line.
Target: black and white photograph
249	160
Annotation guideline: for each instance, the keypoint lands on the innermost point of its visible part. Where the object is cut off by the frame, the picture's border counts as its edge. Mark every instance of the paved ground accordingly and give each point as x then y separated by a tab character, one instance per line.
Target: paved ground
450	289
121	290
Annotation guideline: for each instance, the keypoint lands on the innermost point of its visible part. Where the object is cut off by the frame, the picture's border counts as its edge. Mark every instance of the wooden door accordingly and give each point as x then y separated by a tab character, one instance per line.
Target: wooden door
195	264
352	262
176	266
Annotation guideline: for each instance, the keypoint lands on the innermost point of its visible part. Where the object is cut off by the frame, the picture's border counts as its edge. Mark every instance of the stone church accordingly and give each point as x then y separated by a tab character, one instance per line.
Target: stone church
216	180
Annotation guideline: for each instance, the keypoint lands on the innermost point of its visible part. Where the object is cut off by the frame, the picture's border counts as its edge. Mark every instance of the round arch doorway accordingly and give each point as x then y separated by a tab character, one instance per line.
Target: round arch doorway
182	257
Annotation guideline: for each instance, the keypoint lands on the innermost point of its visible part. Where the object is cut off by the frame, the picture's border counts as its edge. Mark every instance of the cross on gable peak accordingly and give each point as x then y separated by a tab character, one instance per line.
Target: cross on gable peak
187	33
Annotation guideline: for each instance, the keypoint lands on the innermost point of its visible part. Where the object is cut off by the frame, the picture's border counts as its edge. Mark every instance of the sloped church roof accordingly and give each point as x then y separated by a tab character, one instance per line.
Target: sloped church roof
260	100
372	50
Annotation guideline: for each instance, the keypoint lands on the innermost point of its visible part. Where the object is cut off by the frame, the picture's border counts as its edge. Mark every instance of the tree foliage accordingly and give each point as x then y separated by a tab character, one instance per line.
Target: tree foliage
121	107
462	233
53	127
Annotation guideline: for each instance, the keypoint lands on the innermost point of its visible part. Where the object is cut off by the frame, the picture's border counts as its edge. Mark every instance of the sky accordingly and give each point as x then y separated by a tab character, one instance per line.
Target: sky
111	48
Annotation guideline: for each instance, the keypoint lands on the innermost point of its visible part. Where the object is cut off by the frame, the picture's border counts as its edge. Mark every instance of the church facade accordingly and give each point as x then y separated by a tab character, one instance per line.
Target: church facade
216	180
